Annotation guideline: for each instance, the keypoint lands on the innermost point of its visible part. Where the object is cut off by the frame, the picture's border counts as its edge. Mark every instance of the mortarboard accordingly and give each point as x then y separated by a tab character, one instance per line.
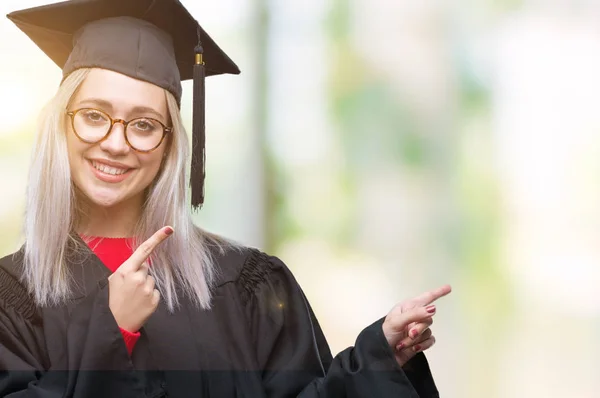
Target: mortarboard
157	41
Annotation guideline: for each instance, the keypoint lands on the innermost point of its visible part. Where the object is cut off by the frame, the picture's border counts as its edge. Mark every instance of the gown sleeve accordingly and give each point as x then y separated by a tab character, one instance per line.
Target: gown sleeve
94	362
294	355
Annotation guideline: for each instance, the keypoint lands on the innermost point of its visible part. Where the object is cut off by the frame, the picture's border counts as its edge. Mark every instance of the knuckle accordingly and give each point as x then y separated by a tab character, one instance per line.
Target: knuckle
420	332
137	279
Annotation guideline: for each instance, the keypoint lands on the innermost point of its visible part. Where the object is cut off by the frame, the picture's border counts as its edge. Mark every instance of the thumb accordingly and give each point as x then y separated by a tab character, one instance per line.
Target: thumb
395	324
416	315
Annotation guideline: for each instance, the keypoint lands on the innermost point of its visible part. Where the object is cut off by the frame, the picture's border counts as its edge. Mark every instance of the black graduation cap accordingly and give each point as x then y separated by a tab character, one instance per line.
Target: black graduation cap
152	40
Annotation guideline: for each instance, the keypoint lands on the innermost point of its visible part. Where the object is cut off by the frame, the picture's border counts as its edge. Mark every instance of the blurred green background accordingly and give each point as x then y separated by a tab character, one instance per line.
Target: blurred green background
384	147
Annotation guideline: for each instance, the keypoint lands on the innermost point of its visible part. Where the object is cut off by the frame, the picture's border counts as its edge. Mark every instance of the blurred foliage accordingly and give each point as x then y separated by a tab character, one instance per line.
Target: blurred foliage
486	293
376	129
373	126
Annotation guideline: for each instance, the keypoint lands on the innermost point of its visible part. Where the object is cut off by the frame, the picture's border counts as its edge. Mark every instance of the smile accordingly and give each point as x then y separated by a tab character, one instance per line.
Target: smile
108	169
111	174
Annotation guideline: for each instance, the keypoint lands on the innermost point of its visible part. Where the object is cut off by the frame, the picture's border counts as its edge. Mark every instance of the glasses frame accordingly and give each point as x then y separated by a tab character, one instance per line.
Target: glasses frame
73	113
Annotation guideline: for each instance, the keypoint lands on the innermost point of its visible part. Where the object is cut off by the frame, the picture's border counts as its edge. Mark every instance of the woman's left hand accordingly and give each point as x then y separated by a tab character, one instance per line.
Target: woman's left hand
418	338
406	327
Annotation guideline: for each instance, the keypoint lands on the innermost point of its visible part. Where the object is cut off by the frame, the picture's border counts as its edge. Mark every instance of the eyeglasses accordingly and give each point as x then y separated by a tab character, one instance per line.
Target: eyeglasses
142	134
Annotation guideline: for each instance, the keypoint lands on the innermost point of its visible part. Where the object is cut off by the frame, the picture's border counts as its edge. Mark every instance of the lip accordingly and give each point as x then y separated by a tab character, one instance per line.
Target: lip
111	164
109	177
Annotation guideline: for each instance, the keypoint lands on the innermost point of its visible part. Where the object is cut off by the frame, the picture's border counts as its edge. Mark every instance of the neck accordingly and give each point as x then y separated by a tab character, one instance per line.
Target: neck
117	221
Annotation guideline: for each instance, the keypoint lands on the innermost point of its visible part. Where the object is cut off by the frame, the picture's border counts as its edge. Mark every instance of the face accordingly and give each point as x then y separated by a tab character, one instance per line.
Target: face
111	173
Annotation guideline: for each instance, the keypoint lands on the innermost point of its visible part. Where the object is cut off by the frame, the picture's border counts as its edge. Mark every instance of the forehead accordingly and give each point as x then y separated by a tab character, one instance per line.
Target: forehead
122	92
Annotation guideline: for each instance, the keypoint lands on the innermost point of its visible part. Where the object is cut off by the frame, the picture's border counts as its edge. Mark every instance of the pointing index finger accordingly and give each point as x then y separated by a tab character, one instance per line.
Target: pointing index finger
141	254
432	295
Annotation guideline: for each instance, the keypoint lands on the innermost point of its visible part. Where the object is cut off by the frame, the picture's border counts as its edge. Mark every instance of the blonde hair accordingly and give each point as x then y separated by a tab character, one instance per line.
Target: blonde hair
52	212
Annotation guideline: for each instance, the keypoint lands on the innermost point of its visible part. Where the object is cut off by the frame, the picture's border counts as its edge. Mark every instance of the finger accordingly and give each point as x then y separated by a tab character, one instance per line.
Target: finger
396	323
425	345
143	270
150	284
409	328
155	297
432	295
137	279
409	342
142	253
148	288
407	353
426	335
419	328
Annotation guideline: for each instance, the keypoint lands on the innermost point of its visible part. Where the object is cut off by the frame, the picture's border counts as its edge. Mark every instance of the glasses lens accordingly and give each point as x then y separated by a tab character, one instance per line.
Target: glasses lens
91	125
144	133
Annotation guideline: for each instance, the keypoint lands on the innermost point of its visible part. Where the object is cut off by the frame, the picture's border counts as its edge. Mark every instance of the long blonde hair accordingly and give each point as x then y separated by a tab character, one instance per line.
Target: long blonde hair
52	212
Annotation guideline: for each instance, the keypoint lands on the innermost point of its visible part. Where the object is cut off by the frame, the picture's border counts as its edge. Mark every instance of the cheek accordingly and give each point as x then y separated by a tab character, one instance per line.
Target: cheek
150	164
71	146
75	150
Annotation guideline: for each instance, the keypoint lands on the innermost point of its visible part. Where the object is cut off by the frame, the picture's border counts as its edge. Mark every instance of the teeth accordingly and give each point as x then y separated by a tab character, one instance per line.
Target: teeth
108	170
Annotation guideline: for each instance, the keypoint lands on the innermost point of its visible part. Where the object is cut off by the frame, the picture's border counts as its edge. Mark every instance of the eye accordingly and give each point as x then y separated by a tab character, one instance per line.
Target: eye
94	116
145	125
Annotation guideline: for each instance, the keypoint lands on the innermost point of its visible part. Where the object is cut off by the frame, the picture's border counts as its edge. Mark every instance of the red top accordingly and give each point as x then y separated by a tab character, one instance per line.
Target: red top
113	252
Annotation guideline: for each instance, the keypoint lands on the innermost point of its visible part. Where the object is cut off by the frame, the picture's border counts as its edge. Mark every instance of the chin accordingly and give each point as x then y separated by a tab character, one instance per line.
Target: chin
103	197
106	201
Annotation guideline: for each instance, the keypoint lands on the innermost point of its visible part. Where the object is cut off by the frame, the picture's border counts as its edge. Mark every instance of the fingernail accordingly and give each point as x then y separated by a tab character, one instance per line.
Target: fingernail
430	309
417	348
168	230
414	333
400	346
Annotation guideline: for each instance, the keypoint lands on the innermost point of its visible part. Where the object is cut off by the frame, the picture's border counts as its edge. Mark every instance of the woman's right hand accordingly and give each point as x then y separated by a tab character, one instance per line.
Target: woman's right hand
132	294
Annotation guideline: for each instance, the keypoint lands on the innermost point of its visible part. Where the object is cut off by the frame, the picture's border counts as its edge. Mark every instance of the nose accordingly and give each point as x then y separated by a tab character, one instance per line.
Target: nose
115	143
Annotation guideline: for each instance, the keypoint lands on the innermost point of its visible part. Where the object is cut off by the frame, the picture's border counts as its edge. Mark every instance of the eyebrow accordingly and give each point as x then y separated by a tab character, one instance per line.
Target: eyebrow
107	105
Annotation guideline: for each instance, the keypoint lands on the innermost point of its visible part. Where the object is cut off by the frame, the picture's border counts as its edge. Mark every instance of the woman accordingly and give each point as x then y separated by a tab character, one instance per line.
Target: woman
115	292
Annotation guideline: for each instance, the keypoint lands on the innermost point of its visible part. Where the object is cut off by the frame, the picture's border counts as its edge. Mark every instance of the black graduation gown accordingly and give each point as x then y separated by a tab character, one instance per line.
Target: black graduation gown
260	339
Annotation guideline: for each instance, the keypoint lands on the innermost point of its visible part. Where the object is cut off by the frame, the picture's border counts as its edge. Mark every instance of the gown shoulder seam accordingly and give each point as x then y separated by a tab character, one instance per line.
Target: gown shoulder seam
254	273
14	295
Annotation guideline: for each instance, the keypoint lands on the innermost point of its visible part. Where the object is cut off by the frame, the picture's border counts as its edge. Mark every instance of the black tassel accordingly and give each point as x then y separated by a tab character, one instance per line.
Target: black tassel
198	173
